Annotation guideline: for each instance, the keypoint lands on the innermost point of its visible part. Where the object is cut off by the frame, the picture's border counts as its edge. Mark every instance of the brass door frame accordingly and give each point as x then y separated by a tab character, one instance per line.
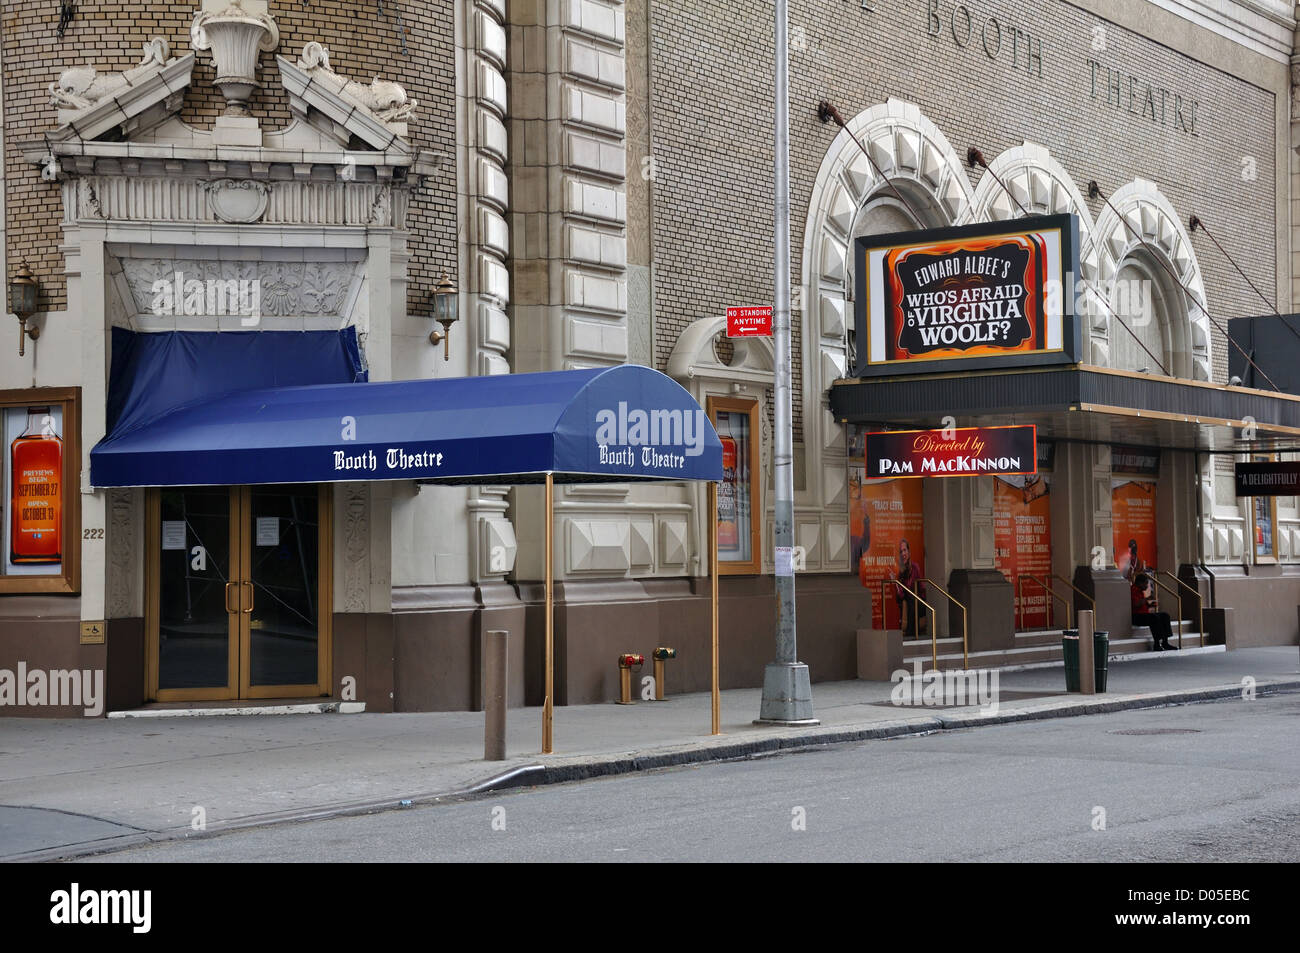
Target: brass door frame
239	632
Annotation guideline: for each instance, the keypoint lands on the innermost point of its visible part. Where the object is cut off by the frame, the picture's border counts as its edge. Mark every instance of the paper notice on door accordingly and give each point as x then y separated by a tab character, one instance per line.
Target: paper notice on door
268	531
173	534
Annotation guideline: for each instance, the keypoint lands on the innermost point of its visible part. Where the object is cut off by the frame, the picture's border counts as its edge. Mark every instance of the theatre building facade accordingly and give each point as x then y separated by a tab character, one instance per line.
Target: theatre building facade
213	207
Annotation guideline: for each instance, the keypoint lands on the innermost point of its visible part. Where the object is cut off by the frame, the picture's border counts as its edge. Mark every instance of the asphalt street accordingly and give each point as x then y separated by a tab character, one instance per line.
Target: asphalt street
1206	782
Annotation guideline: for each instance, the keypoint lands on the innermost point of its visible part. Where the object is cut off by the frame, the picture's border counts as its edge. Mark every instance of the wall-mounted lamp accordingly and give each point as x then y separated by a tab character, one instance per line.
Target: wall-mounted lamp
22	302
445	307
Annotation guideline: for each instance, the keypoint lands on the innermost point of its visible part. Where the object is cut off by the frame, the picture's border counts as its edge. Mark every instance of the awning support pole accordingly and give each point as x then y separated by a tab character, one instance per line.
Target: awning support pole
548	704
713	611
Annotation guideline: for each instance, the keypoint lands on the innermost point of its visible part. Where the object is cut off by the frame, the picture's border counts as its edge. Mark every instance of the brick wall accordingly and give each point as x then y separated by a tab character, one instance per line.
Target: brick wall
108	34
712	87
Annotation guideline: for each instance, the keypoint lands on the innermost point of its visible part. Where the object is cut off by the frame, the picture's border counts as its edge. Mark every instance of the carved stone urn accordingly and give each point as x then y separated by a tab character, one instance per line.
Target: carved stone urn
236	38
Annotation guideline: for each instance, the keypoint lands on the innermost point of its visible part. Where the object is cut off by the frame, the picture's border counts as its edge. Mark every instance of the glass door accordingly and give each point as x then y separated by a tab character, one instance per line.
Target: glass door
281	646
237	580
194	617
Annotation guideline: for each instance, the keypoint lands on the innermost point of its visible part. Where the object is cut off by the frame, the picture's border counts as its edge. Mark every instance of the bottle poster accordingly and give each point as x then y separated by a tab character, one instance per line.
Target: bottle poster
1022	541
33	496
1133	521
887	532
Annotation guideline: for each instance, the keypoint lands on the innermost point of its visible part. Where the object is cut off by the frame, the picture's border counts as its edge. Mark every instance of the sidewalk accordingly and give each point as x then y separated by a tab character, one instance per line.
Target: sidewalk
71	787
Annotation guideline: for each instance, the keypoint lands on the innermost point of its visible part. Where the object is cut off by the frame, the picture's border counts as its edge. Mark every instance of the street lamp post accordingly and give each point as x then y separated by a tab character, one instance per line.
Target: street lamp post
787	688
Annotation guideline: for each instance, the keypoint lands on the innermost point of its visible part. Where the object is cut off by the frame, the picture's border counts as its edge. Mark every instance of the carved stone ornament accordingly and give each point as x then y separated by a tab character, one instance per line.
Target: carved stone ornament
82	87
238	201
236	39
384	98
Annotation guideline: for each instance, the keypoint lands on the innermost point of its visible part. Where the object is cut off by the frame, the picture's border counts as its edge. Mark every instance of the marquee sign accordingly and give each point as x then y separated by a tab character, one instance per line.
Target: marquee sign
978	296
963	451
1267	479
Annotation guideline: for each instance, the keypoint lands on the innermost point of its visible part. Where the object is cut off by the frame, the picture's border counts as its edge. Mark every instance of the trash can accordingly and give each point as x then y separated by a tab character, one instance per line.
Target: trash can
1100	648
1070	651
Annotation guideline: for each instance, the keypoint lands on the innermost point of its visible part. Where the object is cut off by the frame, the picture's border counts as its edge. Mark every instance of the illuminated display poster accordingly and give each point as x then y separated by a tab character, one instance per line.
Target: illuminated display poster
987	295
1022	540
885	518
33	491
734	492
1133	518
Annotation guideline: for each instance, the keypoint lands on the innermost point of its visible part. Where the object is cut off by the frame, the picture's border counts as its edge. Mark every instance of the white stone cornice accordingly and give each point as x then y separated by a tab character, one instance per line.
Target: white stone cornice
207	160
1264	26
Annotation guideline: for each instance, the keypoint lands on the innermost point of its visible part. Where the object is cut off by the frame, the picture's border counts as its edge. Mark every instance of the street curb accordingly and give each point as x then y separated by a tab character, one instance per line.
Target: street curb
589	767
582	769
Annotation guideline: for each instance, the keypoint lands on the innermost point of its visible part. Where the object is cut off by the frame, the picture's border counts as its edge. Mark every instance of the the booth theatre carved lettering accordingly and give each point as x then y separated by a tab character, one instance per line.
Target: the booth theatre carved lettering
999	39
1142	98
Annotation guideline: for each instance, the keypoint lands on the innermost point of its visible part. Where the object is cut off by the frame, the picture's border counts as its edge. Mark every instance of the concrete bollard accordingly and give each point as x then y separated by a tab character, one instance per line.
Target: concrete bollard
1087	656
495	670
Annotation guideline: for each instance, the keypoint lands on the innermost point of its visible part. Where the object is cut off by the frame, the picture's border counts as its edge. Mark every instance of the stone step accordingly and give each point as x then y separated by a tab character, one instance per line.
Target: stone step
1029	654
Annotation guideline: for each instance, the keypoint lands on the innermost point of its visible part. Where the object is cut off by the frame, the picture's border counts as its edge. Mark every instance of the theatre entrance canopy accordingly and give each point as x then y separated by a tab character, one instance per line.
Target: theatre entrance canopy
619	424
193	410
1082	403
979	323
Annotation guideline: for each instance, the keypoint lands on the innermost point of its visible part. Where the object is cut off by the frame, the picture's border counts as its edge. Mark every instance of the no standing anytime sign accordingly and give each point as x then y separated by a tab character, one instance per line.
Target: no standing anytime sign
749	322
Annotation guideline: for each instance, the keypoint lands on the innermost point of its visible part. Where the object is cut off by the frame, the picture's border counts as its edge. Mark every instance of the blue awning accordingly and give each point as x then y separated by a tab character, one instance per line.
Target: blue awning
615	424
154	372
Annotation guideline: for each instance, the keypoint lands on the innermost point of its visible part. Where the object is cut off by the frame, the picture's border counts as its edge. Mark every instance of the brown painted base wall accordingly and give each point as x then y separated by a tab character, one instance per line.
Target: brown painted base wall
1263	603
425	655
595	622
437	638
43	634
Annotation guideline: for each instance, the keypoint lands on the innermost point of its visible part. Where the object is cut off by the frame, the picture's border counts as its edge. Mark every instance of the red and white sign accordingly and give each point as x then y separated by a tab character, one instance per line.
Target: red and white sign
749	322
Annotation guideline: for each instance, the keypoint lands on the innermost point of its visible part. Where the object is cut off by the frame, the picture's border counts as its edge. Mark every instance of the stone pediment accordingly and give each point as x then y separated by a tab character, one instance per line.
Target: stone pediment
120	105
342	108
124	155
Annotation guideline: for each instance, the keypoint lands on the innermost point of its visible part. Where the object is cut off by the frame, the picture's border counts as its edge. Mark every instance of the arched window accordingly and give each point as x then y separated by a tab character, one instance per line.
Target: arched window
1154	309
885	213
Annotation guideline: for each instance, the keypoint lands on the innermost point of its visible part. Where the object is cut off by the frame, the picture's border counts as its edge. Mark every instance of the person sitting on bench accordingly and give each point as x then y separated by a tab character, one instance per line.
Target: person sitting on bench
1144	606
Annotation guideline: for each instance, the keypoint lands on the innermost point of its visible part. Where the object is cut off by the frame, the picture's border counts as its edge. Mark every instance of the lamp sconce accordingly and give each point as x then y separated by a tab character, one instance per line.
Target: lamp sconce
445	308
22	302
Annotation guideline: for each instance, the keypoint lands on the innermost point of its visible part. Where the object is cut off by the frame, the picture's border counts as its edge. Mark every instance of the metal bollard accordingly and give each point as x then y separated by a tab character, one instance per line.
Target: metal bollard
1087	660
661	655
626	662
495	670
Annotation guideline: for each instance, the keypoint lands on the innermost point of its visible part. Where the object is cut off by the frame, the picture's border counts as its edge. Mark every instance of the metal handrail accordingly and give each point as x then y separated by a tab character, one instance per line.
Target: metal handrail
1020	596
1200	603
1091	601
1173	592
884	619
965	621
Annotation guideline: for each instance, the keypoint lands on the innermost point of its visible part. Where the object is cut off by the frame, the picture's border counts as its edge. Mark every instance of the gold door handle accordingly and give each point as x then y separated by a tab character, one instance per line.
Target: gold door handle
248	609
228	588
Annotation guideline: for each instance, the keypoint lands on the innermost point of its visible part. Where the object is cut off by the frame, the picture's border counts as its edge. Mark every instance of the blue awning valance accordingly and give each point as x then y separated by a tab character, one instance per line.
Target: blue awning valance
613	424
